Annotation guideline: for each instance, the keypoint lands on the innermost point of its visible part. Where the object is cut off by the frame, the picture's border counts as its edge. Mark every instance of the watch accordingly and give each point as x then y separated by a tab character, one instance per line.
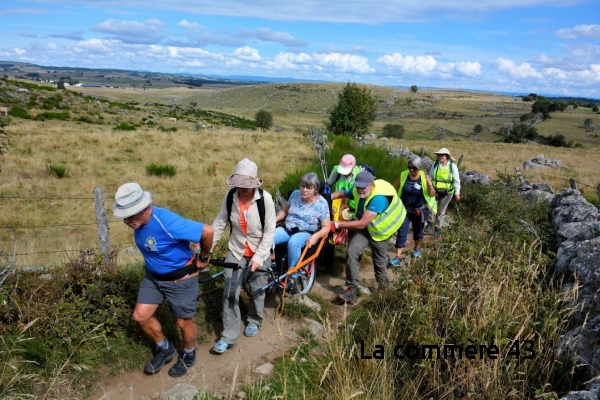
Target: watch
203	258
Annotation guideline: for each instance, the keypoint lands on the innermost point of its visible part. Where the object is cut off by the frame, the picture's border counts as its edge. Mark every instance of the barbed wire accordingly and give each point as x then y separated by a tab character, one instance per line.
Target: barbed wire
67	251
51	226
105	197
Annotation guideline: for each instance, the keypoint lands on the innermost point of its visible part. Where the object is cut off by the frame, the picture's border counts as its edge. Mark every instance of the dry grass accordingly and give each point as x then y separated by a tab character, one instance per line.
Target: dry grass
58	214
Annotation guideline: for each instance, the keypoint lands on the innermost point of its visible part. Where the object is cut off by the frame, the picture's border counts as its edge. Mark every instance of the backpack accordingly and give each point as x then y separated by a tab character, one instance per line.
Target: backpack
260	203
368	168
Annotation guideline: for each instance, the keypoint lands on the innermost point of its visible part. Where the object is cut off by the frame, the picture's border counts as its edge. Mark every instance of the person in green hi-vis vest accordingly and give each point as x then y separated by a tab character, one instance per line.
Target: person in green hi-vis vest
342	176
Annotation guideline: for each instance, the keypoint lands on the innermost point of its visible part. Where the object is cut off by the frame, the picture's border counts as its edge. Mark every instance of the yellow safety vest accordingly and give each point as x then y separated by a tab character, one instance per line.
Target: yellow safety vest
388	222
431	202
345	184
443	178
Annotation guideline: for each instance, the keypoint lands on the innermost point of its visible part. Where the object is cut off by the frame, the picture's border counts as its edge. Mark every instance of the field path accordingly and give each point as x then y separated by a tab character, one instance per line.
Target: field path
224	374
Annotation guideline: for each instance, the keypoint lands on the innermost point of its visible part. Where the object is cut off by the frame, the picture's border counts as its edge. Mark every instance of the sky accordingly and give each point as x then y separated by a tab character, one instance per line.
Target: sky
547	47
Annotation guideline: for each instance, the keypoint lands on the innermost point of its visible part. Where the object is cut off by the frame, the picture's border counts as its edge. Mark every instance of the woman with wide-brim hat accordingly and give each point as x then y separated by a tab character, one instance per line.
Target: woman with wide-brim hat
446	182
250	243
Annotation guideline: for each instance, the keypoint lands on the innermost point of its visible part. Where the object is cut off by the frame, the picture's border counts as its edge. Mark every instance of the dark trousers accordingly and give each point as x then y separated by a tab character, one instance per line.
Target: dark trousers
417	221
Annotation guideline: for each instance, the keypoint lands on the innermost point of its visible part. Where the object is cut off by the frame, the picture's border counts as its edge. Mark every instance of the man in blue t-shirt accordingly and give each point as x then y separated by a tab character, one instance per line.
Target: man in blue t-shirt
164	238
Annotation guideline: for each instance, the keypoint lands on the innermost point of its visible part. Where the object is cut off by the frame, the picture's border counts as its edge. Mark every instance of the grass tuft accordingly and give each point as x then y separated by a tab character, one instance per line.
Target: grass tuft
161	170
59	170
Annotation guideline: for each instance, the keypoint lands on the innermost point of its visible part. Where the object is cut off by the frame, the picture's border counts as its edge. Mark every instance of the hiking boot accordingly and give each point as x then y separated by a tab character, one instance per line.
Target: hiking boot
428	227
395	262
348	295
417	253
182	365
161	357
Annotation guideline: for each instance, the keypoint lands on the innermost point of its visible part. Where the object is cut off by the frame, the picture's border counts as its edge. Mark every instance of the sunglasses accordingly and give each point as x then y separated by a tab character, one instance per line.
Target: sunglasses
412	168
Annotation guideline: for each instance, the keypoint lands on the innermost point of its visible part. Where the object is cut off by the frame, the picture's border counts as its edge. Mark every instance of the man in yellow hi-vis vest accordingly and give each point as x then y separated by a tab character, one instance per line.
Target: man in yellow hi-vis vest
379	214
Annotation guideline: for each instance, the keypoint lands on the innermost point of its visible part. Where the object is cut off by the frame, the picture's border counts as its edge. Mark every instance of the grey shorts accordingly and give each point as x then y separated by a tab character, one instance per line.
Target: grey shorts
183	295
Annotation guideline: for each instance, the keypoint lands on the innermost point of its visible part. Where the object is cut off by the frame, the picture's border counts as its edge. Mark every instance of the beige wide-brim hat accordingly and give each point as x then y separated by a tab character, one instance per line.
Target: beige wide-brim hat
130	200
244	175
445	151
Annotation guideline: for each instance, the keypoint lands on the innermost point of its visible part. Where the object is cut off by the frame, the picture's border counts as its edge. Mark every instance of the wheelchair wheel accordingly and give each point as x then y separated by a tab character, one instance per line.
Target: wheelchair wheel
306	278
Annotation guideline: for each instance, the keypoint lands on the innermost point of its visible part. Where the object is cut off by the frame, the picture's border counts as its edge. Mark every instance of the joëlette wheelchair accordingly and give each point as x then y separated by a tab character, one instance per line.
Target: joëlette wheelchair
278	274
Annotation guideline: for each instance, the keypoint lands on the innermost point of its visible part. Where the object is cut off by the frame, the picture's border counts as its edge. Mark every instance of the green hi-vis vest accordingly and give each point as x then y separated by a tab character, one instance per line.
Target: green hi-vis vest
346	184
388	222
431	202
443	179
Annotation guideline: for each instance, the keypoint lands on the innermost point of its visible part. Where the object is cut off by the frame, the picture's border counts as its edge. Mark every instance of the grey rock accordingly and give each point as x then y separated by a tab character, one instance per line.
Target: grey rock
304	300
181	391
313	326
264	369
580	395
474	178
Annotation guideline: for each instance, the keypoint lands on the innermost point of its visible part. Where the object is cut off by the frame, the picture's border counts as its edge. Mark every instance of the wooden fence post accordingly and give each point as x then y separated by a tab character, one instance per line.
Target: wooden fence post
573	183
521	180
102	223
460	160
422	151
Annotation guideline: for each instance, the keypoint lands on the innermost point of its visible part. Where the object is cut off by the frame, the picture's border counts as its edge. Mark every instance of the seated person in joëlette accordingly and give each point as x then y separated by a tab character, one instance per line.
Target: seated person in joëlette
307	220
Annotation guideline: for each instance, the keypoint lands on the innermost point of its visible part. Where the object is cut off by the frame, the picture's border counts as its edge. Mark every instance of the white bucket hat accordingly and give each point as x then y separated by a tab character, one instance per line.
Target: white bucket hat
130	200
445	151
244	175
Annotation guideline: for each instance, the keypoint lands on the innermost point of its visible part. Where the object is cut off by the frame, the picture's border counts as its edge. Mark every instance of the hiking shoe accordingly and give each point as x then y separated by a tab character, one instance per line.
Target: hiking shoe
428	227
161	357
251	330
437	233
221	346
417	253
348	295
395	262
182	365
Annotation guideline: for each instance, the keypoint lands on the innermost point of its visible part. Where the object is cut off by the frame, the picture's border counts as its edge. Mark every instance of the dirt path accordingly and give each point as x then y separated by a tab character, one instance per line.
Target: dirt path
224	374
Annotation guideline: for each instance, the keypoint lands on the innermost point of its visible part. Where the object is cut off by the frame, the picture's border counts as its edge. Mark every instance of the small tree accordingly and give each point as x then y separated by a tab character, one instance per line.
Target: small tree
263	119
478	129
354	113
414	88
588	124
394	131
595	109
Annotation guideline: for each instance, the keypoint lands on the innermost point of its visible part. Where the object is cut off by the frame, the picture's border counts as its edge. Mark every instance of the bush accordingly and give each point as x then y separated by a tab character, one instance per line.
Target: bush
124	126
63	116
477	129
161	170
393	131
19	112
414	88
263	119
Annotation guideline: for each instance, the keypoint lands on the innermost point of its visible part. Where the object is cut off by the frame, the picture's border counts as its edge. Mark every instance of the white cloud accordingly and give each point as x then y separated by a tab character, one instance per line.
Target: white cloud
247	54
189	25
589	31
290	61
421	65
267	35
525	70
146	32
75	35
343	62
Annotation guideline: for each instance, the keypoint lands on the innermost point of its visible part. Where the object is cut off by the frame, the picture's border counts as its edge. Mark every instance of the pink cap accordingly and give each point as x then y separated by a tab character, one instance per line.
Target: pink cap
348	162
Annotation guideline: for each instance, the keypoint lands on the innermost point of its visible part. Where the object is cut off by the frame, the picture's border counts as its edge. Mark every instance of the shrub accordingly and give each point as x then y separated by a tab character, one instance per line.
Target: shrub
414	88
19	112
263	119
354	112
478	128
63	116
171	129
124	126
161	170
393	131
59	170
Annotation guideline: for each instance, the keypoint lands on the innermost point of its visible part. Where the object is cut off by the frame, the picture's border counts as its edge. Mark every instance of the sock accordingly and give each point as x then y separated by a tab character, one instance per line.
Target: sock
163	344
189	352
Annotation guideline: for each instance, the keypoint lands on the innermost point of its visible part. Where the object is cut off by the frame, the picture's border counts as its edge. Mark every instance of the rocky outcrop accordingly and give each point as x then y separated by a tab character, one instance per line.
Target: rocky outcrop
541	162
577	226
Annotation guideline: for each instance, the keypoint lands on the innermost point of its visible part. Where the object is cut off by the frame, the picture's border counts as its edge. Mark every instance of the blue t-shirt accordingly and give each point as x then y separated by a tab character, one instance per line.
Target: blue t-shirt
378	203
306	217
412	193
165	240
